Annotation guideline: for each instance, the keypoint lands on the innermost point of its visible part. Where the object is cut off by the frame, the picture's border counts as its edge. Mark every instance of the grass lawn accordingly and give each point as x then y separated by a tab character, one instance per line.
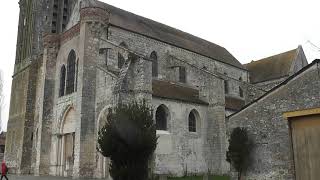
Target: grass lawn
200	178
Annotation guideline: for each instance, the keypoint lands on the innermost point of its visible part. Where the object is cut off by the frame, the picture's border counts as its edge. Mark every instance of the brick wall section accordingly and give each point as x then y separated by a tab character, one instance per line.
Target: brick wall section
273	157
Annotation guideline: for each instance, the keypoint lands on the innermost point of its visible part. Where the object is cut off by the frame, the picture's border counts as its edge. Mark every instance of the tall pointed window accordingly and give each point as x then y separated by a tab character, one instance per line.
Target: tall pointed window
121	59
62	80
154	59
192	122
77	72
71	72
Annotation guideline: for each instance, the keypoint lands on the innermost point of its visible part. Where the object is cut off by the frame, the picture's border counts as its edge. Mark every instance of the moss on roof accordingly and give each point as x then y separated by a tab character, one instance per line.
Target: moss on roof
272	67
170	90
234	103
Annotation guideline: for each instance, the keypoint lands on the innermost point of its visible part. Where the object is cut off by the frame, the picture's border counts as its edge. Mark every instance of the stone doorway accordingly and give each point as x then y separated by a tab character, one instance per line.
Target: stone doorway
66	144
68	158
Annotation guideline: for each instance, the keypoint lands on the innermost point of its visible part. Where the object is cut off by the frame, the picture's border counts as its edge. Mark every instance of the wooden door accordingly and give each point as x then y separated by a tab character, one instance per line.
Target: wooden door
306	146
69	154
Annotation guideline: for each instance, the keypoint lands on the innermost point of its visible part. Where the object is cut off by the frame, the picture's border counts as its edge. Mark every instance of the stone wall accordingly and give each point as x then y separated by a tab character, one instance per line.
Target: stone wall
264	120
165	52
16	120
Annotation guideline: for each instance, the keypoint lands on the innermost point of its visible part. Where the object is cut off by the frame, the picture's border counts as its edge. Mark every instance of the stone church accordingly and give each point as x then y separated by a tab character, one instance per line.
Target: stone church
76	59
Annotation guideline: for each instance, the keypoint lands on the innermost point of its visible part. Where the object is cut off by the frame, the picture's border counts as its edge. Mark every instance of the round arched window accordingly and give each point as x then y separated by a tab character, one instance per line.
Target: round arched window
161	118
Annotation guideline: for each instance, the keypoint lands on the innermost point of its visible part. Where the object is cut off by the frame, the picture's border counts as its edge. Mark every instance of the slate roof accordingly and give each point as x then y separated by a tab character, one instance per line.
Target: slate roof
272	67
170	90
164	33
234	103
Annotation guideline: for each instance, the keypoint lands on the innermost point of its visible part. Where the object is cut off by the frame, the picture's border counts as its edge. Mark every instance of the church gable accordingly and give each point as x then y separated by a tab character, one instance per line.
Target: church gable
273	67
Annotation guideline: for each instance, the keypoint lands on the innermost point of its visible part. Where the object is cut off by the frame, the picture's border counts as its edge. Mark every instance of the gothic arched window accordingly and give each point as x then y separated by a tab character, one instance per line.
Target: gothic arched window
71	72
62	80
121	59
161	118
77	72
192	122
154	59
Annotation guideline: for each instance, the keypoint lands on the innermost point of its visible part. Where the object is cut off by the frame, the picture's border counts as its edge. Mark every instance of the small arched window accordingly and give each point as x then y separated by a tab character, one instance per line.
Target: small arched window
192	122
71	72
154	59
121	59
240	92
62	80
240	78
161	118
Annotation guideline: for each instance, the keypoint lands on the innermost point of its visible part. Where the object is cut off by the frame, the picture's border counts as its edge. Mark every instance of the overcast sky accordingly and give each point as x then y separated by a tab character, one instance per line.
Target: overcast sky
249	29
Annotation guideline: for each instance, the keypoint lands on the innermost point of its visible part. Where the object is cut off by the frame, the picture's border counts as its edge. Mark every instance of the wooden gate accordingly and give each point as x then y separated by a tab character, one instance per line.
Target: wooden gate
306	146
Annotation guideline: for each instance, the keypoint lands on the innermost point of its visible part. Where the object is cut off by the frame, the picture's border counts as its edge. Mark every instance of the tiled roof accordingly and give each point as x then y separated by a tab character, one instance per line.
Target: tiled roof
234	103
170	90
270	68
161	32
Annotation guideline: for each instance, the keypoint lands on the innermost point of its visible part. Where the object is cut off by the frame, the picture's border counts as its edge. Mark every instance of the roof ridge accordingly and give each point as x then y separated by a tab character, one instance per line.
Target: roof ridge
268	58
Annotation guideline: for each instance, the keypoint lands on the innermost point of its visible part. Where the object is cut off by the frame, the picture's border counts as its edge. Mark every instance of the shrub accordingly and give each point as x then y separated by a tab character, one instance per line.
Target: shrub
240	146
129	140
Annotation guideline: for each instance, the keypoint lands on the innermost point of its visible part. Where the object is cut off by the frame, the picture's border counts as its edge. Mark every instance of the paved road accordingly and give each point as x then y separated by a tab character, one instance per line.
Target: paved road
15	177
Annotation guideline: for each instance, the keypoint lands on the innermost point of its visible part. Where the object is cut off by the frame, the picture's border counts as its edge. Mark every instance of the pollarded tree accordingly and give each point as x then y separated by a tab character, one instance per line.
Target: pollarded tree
240	146
129	140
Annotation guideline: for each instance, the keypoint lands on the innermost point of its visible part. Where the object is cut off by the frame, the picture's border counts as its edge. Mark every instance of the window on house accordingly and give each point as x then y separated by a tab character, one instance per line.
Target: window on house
161	118
182	74
71	72
192	122
154	59
62	80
